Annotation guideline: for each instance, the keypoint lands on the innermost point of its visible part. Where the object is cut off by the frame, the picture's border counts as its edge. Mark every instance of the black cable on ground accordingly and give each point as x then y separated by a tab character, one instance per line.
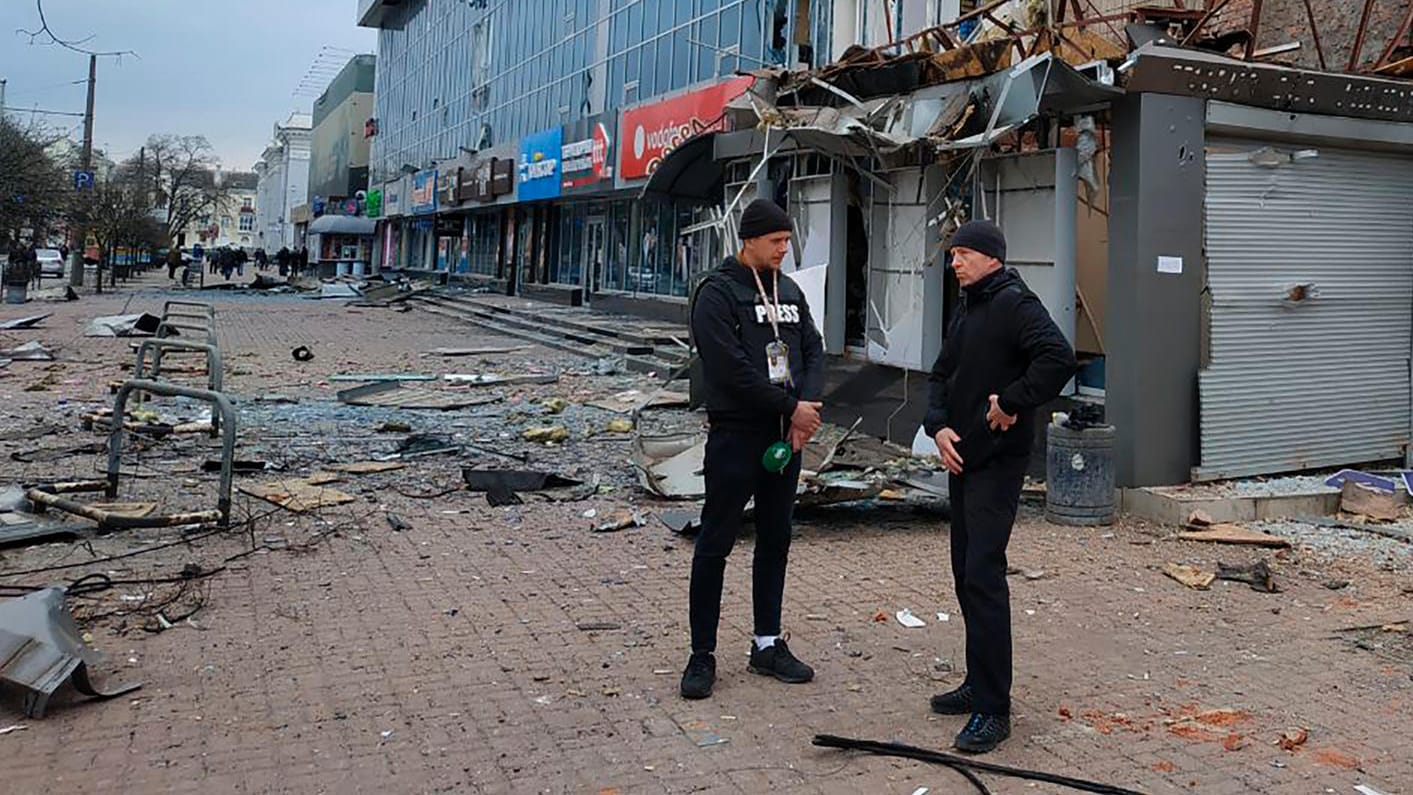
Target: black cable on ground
960	763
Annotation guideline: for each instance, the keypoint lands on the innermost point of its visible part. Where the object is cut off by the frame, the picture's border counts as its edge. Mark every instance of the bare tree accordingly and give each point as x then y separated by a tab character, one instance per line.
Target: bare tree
34	188
119	214
183	171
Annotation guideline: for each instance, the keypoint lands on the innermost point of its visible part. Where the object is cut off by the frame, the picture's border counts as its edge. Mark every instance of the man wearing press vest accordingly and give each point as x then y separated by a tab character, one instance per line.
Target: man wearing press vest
763	367
1002	358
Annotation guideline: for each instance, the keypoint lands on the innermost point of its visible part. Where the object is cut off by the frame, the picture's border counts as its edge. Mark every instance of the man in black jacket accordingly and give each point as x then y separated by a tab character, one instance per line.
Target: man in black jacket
1002	358
763	366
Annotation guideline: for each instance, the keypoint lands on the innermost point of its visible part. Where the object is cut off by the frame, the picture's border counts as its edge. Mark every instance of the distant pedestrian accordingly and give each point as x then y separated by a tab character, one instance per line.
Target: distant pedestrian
303	260
282	260
174	261
241	259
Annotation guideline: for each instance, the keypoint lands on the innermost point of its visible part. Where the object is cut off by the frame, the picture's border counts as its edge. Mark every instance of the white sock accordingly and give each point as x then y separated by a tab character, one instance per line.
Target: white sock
764	642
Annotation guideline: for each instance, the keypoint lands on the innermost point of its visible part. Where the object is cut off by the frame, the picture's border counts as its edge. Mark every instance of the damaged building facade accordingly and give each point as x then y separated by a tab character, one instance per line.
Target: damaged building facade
1212	201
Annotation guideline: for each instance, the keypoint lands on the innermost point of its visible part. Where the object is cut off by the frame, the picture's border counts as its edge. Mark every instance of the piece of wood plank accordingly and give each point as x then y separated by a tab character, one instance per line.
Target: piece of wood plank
1191	576
1234	534
297	495
366	467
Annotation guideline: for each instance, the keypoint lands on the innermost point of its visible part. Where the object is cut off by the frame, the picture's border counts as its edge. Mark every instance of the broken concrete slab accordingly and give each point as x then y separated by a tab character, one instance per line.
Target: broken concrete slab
1191	576
138	325
493	379
1374	503
633	400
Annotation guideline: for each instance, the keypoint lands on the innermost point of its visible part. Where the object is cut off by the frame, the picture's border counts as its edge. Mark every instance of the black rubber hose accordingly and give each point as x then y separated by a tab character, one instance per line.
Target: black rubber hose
961	762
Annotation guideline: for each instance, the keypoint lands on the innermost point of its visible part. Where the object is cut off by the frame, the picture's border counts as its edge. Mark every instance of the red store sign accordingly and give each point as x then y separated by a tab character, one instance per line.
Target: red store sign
651	131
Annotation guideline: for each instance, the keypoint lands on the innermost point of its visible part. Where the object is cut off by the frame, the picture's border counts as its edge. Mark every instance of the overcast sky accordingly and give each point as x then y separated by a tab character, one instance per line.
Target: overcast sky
224	69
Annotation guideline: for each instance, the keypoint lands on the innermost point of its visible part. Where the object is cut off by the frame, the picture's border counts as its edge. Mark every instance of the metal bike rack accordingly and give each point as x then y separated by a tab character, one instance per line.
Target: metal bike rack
48	496
172	328
158	346
206	309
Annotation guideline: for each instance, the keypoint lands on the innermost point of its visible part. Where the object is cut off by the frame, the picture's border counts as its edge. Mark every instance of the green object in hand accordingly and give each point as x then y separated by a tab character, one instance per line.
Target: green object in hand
776	458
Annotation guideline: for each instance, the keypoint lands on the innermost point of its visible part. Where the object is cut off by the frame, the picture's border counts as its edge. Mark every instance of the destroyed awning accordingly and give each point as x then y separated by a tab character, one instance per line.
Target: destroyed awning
690	171
342	225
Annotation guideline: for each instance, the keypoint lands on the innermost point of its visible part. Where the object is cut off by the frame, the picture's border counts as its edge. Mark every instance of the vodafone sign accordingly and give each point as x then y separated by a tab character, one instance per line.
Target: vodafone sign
651	131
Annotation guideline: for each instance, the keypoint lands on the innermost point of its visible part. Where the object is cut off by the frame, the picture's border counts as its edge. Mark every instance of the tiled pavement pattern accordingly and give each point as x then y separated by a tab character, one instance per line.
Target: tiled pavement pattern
449	658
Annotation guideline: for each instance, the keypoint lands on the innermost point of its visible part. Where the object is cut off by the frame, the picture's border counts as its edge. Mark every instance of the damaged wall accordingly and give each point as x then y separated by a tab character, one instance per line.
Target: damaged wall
898	272
1284	21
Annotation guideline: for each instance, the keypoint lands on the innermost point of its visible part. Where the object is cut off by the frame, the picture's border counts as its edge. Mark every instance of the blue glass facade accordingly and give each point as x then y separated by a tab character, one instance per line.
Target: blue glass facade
476	73
506	78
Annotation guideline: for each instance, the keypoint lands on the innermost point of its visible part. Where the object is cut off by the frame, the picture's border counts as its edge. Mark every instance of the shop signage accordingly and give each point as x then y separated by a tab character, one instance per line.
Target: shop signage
651	131
492	177
586	157
392	199
539	174
424	192
373	206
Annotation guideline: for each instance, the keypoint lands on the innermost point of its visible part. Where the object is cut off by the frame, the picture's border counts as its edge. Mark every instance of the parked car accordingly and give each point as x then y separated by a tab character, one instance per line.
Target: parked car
51	262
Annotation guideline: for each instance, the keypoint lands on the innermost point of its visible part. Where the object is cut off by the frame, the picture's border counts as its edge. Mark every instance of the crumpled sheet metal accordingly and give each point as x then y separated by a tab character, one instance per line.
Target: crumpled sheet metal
41	649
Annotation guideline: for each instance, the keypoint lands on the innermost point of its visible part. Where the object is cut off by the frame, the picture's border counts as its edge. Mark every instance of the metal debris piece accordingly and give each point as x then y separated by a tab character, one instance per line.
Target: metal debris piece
485	351
620	520
41	649
635	400
32	351
138	325
298	495
513	480
393	394
302	354
372	377
24	322
683	523
1257	575
420	444
671	465
365	467
397	523
492	379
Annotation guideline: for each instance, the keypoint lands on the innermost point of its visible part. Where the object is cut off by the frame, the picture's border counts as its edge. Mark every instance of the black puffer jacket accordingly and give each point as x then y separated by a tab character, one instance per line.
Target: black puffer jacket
1002	342
730	329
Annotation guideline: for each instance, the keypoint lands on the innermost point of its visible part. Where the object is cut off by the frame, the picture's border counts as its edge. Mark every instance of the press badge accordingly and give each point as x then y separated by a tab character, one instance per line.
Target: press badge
777	362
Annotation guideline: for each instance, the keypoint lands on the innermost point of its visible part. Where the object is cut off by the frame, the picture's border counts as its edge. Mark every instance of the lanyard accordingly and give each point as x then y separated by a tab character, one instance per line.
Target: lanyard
775	286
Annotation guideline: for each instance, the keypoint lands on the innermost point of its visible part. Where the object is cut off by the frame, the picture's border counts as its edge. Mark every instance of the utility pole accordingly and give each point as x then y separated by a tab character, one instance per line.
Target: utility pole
3	81
76	277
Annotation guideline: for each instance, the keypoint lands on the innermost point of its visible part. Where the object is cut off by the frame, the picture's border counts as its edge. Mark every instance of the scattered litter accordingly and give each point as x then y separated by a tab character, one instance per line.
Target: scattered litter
32	351
23	322
920	791
393	394
141	325
591	513
393	427
1337	585
620	520
554	405
297	495
385	735
1226	533
1370	502
1257	575
1191	576
1365	789
491	379
701	735
397	523
683	523
944	617
238	466
907	619
546	434
302	354
1291	739
671	466
277	399
335	290
619	426
19	727
501	485
424	444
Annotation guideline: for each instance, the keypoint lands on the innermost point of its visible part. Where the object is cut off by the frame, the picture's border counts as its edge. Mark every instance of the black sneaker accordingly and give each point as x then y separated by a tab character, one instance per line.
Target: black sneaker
983	733
953	702
700	675
777	661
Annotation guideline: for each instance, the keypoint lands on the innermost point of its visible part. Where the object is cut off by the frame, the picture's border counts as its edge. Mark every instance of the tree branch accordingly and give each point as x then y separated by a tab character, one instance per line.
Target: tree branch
68	44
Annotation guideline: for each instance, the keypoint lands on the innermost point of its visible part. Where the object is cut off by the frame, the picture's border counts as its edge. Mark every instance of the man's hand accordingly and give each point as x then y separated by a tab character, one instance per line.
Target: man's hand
806	417
946	444
998	419
798	438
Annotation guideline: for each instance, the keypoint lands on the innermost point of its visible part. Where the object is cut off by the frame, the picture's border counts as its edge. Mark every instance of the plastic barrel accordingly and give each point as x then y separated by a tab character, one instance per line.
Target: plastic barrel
16	293
1079	475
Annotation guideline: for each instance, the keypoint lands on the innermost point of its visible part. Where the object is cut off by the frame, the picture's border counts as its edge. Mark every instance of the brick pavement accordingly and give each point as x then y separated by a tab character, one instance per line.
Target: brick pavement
447	658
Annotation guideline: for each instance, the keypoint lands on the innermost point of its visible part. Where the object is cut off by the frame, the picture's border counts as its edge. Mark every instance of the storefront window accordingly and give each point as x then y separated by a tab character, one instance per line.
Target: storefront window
616	267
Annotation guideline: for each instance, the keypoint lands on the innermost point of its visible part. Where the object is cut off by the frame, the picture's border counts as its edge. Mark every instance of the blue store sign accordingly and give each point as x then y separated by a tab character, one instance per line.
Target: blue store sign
539	171
424	192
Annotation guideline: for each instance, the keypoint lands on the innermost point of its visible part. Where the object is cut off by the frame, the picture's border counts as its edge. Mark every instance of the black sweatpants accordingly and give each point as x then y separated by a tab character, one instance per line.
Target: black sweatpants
733	474
984	504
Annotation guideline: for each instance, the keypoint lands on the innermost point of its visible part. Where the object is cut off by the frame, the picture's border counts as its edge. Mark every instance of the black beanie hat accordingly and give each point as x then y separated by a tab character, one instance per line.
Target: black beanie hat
982	237
763	217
